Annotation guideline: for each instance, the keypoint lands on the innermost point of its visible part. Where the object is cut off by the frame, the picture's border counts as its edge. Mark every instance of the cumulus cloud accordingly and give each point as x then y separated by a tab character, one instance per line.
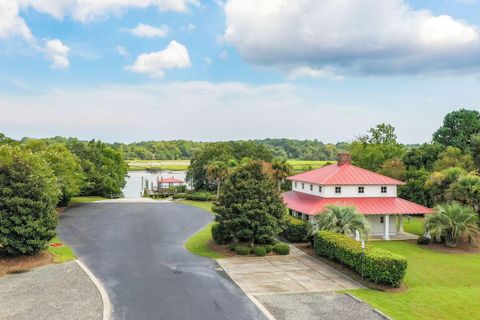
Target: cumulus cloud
363	36
57	53
11	24
175	55
148	31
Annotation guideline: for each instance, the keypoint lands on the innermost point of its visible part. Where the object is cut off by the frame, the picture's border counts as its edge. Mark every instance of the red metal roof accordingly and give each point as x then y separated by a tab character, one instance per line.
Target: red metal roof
313	205
169	180
345	174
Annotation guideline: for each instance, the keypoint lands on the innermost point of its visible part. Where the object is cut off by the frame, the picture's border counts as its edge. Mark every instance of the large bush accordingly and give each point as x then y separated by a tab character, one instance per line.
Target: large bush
378	265
220	234
28	197
250	206
296	230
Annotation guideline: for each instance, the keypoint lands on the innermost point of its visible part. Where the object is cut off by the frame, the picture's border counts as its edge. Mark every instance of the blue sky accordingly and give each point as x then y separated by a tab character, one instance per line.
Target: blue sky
237	69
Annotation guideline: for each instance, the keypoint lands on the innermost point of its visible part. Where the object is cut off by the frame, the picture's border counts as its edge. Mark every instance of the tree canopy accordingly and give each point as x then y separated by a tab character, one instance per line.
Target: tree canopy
458	129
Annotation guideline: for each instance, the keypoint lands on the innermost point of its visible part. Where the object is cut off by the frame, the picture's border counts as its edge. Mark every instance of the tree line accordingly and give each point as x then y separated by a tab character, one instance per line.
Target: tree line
184	149
442	170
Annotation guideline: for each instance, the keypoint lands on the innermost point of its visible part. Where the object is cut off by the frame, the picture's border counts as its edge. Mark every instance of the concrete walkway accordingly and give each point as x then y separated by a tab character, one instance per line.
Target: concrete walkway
295	273
53	292
319	305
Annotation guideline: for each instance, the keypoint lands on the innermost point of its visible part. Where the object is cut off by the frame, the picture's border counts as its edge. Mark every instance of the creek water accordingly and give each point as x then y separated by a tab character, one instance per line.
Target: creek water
133	188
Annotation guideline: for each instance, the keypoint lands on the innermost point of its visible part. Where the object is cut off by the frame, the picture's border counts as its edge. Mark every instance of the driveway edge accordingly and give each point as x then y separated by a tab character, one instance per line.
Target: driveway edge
107	307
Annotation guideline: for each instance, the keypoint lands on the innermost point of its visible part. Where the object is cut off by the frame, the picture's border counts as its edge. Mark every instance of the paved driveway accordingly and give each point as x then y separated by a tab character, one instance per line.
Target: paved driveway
295	273
137	251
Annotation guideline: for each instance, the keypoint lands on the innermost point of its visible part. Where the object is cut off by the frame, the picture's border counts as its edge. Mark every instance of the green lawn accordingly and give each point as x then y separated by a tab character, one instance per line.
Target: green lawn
440	285
172	165
198	243
85	199
61	254
305	165
416	225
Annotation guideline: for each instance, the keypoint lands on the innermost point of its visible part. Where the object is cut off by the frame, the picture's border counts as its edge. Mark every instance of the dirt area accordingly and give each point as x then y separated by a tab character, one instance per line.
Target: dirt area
23	263
305	247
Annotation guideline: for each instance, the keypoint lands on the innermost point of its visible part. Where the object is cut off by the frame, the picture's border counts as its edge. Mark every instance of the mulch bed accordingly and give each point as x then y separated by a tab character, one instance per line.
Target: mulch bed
462	248
227	253
305	247
24	263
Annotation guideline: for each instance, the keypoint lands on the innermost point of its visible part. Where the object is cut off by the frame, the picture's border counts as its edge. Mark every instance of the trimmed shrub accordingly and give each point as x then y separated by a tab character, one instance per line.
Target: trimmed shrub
28	197
296	230
281	249
220	235
268	248
423	240
200	196
377	265
231	246
179	196
260	251
242	250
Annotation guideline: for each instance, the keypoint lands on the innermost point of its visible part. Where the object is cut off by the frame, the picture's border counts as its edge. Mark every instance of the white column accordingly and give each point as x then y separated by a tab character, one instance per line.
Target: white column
386	226
400	223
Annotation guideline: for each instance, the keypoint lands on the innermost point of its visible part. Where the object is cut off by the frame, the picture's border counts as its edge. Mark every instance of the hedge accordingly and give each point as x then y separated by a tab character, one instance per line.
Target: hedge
242	250
260	251
281	249
200	196
378	265
296	230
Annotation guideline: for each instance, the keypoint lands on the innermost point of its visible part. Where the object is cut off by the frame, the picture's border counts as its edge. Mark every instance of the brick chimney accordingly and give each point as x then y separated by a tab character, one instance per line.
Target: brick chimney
344	157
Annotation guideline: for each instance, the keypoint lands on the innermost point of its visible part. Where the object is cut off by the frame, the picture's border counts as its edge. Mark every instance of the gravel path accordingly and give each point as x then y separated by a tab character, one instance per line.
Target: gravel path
57	291
310	306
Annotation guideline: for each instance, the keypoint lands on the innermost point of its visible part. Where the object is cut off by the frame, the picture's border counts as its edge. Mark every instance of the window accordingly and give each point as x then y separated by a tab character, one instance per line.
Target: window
311	187
384	189
320	189
338	189
295	184
307	217
381	219
303	185
361	189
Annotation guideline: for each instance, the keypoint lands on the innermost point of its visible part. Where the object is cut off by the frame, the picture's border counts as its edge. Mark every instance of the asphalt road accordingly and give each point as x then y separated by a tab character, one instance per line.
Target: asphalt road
137	251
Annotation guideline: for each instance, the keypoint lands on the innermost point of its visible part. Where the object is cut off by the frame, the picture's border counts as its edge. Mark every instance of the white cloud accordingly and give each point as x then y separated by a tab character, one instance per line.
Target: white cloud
207	61
11	24
218	111
175	55
57	53
147	31
362	36
303	72
122	51
87	10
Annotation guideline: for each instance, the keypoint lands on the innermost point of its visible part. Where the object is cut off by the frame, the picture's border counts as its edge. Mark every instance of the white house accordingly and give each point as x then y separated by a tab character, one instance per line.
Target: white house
373	194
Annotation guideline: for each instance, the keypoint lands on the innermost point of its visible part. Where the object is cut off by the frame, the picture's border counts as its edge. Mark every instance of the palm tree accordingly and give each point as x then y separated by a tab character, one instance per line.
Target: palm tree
452	221
281	170
343	219
217	172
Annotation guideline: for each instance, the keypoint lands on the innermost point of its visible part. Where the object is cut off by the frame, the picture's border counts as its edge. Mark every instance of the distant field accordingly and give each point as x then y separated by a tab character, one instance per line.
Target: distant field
173	165
305	165
182	165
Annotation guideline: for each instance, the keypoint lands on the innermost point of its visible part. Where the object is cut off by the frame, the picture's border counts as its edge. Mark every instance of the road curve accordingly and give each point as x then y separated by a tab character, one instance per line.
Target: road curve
137	251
